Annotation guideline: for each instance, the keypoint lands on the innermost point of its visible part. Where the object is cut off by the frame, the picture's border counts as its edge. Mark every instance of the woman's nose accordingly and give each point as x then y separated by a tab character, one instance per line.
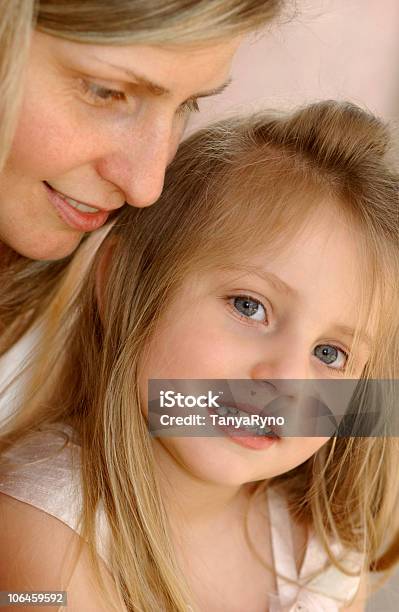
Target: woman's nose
137	167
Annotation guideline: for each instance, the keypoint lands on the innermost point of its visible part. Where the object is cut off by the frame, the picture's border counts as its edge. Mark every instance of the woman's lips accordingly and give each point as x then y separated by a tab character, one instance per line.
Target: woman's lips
77	219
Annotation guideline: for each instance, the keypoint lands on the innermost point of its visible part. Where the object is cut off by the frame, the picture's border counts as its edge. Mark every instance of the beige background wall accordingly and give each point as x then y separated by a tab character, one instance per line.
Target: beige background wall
346	49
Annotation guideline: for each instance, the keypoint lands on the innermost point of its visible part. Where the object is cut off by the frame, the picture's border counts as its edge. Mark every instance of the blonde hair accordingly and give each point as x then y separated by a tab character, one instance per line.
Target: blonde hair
231	186
15	30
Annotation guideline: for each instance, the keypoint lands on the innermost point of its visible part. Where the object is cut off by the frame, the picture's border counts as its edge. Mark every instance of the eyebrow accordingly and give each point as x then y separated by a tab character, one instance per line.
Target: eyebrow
282	287
350	333
159	90
274	280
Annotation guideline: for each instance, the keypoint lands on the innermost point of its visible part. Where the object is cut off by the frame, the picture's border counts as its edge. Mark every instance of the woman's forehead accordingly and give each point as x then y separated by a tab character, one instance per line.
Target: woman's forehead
200	70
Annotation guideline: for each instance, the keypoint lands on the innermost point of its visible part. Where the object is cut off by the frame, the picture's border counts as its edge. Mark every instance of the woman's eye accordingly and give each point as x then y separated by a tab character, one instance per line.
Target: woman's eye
332	356
249	307
104	95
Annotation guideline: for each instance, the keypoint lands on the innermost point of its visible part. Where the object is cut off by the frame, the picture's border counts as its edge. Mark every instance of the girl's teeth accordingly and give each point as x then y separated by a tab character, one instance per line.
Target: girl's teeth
255	430
264	431
79	206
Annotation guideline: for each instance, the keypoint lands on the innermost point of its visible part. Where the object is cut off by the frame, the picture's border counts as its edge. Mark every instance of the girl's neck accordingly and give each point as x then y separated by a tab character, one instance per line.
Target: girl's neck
214	530
190	500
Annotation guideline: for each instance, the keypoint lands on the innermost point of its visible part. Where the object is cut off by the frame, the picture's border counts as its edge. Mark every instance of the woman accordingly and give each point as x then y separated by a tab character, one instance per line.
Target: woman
99	122
92	107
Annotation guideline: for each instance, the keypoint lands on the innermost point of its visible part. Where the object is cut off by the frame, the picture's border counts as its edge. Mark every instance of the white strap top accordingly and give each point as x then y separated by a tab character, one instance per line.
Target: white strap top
329	590
46	475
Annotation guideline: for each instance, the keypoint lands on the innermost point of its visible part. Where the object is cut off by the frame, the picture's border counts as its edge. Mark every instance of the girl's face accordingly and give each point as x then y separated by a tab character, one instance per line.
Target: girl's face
292	318
97	127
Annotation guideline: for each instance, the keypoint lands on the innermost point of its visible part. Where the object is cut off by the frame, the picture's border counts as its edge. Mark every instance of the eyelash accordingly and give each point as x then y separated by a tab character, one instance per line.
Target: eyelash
249	321
341	370
190	106
102	95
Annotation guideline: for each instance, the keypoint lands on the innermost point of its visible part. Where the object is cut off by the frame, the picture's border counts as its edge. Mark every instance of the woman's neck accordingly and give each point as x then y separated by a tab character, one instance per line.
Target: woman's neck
7	255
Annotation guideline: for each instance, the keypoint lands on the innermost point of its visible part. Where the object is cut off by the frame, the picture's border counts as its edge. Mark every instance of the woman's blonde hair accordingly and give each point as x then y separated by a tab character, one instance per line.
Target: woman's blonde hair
233	188
15	30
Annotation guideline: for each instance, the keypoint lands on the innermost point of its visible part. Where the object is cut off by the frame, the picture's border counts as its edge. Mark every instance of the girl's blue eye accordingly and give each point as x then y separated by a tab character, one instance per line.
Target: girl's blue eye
332	356
250	308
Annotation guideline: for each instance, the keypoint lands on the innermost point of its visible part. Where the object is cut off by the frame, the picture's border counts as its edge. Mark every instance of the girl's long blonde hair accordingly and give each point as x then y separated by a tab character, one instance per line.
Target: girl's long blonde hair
232	188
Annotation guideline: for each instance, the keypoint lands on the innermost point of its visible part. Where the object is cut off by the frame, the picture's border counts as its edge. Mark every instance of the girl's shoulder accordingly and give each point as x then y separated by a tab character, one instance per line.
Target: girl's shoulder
317	584
40	505
44	470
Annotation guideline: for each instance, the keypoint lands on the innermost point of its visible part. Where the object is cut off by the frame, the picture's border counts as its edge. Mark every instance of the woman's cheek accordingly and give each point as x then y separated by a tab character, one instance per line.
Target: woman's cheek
47	149
50	139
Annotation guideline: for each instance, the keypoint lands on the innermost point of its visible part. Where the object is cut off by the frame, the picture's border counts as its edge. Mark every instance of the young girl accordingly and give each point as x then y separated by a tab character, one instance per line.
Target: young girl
272	256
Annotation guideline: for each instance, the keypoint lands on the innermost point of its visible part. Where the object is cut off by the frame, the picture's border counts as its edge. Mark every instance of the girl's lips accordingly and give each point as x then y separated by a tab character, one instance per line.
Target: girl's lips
77	219
251	409
253	442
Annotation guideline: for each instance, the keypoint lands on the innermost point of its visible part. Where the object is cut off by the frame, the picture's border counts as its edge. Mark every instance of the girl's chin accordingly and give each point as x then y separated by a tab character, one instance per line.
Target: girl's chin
218	467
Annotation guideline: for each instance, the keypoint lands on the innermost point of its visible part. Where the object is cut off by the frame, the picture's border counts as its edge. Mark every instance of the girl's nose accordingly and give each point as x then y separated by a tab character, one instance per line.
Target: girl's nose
285	380
289	365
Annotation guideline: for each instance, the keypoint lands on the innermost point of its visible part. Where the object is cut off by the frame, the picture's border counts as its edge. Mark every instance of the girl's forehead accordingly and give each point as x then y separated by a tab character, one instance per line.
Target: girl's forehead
317	270
323	244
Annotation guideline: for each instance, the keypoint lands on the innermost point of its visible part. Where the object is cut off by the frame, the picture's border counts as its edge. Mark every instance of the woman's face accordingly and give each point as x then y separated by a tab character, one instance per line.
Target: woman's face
291	319
97	127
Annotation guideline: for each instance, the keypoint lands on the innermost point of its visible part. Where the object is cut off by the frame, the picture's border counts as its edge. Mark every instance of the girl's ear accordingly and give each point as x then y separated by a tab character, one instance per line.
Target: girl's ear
102	274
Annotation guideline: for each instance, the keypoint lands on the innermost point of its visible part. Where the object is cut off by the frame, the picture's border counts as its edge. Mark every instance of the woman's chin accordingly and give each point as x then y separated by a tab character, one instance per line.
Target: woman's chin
46	248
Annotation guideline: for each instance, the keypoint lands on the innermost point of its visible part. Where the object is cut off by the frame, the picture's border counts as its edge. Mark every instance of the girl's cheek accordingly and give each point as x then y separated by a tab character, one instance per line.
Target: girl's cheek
304	448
